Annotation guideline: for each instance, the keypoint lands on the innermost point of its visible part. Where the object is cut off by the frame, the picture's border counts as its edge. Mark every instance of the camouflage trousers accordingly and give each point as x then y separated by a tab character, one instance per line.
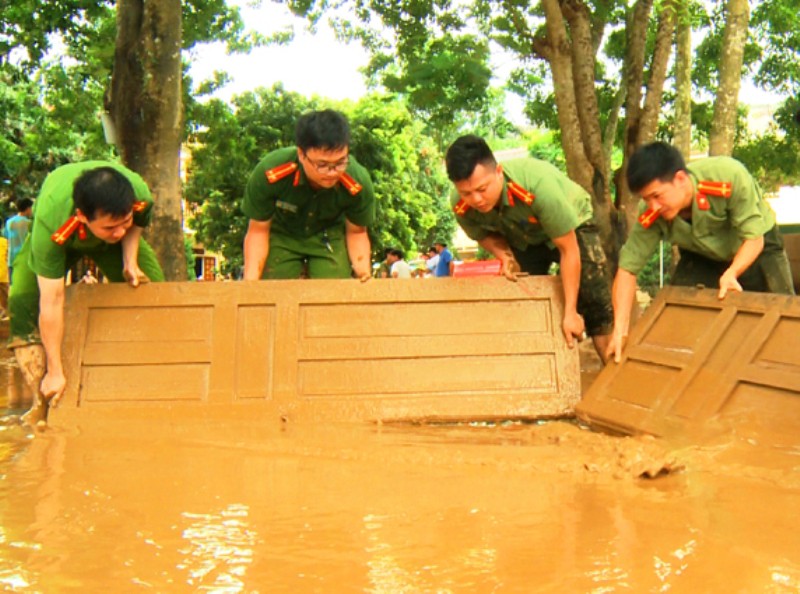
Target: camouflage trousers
770	273
594	294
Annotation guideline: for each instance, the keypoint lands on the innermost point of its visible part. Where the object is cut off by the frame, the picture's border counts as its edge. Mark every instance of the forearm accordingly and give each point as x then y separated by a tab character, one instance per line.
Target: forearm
747	253
622	296
256	249
51	329
497	246
570	266
358	249
130	246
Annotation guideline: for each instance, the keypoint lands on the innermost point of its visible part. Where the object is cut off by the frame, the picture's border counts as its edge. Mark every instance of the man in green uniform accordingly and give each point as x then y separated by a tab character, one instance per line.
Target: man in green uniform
96	209
529	215
714	212
310	204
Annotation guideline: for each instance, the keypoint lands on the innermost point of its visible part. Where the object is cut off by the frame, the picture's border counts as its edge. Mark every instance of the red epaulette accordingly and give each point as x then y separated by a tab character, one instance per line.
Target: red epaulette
648	217
67	229
517	191
350	184
281	171
461	208
140	205
712	188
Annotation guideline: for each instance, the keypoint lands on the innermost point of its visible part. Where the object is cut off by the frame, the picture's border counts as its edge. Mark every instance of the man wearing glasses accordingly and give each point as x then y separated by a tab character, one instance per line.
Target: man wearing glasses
309	206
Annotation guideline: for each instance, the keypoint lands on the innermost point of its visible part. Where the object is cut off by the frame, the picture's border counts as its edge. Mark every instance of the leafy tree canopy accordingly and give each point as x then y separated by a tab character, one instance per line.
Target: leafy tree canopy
55	68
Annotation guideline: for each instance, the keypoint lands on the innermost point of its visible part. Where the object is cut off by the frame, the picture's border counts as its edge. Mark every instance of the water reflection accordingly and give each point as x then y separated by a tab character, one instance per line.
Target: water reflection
220	549
176	505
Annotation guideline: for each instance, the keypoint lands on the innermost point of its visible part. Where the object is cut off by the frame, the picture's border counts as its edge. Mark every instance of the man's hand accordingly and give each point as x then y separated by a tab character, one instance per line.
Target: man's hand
616	345
133	275
728	282
510	269
574	327
52	387
363	275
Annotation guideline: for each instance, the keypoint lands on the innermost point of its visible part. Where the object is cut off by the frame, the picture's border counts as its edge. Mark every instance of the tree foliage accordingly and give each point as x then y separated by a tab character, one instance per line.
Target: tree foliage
596	71
773	156
423	51
229	140
136	81
588	70
443	78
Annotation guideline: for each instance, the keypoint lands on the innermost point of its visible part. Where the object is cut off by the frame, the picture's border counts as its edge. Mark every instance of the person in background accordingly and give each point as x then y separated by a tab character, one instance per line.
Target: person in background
432	261
4	280
16	230
714	212
311	203
444	262
383	268
399	267
97	209
88	278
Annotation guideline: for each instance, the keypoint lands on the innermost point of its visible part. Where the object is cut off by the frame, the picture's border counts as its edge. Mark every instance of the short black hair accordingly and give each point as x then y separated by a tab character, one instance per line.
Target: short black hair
327	129
466	153
398	254
655	161
103	189
23	204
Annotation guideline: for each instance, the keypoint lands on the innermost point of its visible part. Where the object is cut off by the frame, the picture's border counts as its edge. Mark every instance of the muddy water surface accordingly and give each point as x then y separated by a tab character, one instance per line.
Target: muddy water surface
180	505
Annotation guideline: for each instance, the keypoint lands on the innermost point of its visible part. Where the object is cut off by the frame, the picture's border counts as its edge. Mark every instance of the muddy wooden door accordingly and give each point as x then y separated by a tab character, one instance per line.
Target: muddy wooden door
692	357
382	350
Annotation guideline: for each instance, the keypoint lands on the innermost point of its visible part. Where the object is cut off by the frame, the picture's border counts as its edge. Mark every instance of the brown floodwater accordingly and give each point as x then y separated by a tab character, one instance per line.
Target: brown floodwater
170	504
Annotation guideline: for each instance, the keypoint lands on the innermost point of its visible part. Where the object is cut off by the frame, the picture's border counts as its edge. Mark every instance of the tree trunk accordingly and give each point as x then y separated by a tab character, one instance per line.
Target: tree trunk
682	136
145	104
571	56
560	59
642	120
583	79
648	124
627	203
723	127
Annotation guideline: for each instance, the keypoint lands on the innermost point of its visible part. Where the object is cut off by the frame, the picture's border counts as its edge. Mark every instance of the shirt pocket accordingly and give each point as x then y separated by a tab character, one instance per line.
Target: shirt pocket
711	224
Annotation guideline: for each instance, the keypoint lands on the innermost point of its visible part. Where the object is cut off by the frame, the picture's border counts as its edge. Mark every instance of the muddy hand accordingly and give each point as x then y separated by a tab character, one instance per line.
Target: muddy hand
574	328
615	346
52	388
511	270
135	279
363	276
728	282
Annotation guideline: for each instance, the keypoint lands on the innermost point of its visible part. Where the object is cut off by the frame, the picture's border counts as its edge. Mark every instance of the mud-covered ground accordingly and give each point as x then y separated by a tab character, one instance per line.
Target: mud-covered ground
169	504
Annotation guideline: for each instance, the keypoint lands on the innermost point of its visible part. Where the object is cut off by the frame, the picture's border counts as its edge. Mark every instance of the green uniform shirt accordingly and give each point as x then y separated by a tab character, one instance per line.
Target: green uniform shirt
54	207
559	206
715	233
298	210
